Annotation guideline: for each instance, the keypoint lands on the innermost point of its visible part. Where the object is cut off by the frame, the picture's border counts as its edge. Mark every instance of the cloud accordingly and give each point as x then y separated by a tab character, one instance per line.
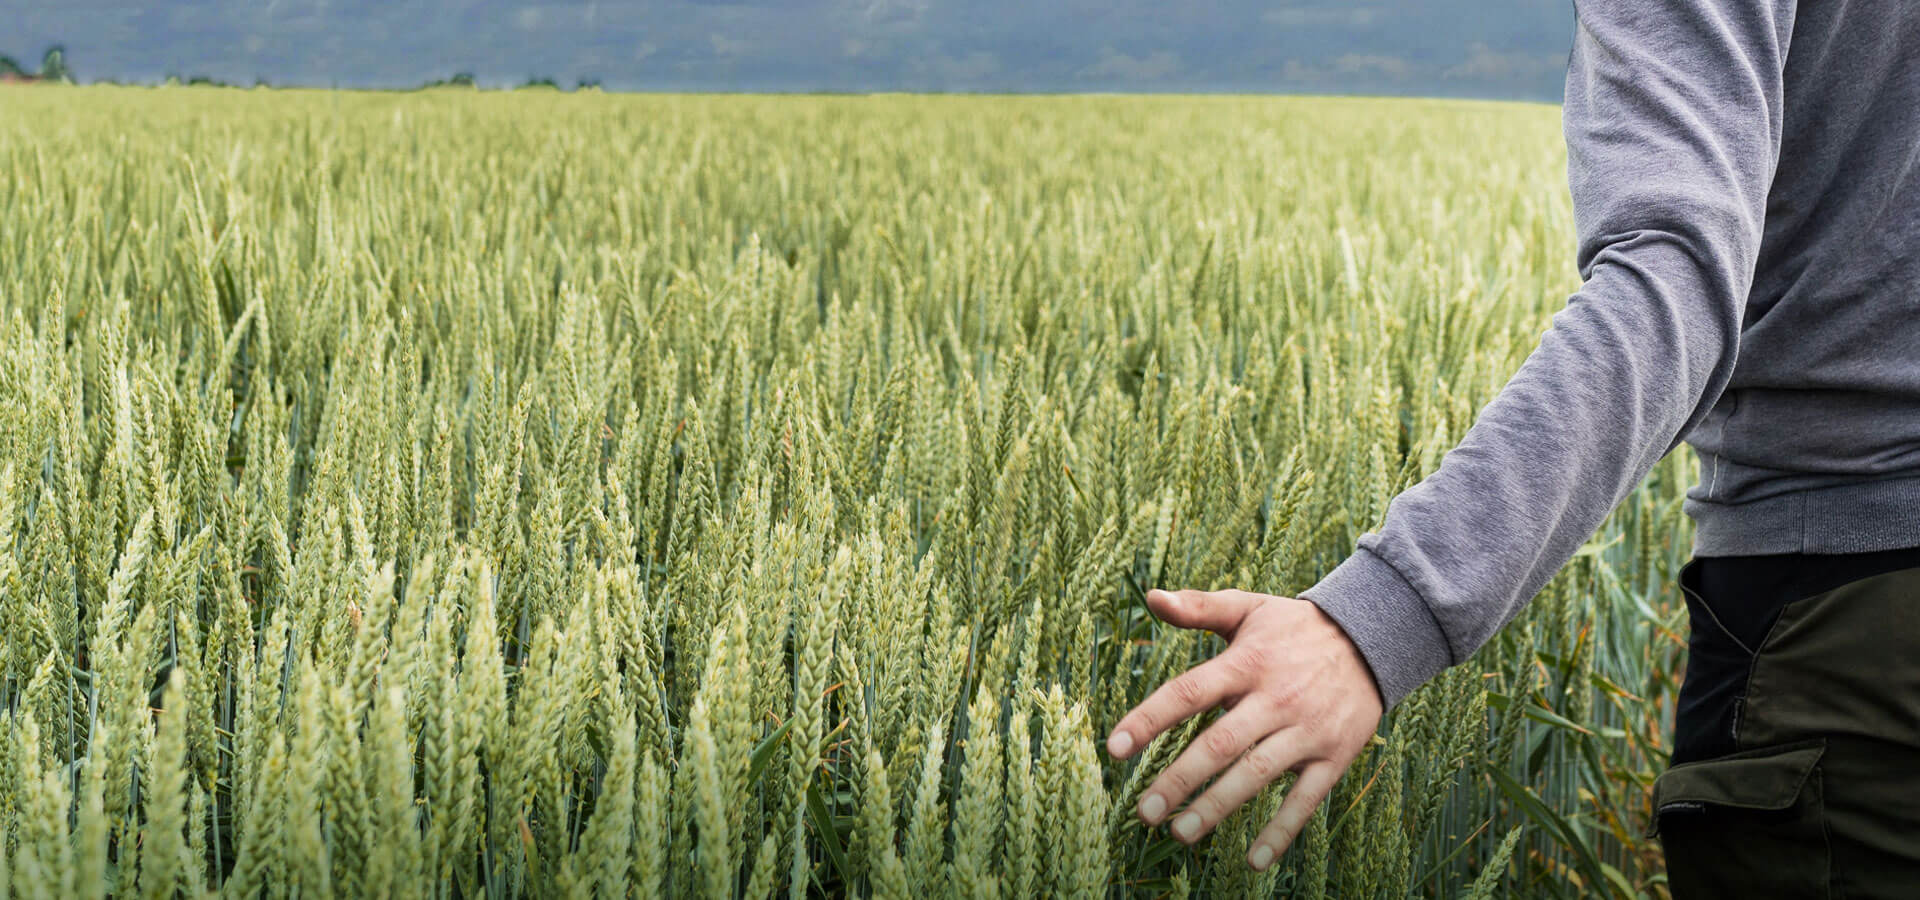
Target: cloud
1372	64
890	11
724	46
1295	70
1155	66
528	18
959	71
1485	63
1373	69
1321	16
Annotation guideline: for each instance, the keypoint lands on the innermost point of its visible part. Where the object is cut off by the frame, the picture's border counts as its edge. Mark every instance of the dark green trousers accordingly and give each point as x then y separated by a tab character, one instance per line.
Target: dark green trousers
1796	765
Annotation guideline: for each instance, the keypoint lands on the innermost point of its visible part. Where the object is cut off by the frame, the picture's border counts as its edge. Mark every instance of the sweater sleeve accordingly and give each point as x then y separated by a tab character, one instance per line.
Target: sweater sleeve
1672	120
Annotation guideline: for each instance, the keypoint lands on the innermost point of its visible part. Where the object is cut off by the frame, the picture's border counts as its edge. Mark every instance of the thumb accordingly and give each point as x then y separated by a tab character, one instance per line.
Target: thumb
1217	611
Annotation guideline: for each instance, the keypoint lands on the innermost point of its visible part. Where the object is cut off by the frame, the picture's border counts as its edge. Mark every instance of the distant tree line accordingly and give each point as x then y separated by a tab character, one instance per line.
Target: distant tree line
53	67
467	80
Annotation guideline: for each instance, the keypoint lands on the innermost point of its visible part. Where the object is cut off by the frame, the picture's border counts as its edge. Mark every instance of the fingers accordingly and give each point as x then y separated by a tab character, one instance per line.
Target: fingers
1268	760
1201	688
1217	611
1315	782
1194	691
1217	748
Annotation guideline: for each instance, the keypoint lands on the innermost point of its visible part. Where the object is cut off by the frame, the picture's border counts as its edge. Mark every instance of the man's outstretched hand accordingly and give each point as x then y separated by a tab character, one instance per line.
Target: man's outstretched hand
1299	698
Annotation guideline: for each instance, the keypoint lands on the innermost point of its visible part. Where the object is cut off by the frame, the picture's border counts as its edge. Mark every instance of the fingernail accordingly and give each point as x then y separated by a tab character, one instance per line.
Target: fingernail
1187	826
1262	858
1151	806
1120	744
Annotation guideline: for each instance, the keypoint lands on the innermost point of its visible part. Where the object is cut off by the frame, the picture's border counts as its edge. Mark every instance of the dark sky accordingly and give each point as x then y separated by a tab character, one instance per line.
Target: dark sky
1484	48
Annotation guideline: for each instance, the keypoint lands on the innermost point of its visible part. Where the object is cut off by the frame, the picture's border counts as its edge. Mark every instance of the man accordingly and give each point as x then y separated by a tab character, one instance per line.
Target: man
1746	186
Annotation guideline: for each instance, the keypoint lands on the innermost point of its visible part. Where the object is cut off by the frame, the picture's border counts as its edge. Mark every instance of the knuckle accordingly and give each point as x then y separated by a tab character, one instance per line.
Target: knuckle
1221	741
1264	765
1294	818
1287	827
1209	808
1267	702
1313	729
1188	689
1173	784
1249	661
1322	789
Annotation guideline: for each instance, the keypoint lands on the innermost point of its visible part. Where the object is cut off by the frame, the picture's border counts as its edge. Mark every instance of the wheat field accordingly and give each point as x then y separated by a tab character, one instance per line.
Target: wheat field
457	494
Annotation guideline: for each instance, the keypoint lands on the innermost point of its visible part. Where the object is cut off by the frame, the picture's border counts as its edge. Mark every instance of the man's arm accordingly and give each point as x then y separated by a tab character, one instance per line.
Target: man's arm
1672	120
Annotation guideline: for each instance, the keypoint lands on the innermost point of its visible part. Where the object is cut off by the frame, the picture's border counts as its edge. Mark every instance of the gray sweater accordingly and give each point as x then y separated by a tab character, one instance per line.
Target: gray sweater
1746	187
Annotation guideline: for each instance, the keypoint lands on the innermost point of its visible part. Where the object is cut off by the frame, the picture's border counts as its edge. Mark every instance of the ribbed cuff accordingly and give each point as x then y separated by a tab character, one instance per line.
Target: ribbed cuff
1387	619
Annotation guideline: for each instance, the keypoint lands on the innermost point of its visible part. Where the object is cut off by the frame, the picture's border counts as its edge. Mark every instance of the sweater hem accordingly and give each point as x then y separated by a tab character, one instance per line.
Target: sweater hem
1854	518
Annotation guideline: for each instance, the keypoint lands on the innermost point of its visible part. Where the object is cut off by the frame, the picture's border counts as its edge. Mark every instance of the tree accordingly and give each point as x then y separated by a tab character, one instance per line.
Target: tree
459	80
53	65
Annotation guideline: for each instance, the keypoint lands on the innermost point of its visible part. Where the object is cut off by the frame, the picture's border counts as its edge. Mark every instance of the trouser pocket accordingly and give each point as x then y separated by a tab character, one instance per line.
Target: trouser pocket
1749	824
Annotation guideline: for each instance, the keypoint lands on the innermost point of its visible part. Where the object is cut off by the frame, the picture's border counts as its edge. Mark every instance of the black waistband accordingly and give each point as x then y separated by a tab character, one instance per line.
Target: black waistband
1746	593
1736	600
1790	576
